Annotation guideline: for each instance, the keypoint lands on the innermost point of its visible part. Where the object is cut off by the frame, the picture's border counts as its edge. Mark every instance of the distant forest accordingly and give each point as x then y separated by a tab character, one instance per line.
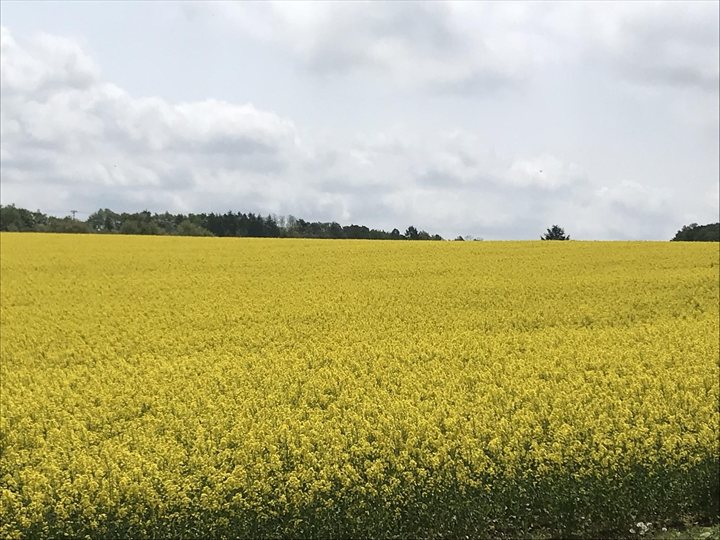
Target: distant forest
13	219
699	233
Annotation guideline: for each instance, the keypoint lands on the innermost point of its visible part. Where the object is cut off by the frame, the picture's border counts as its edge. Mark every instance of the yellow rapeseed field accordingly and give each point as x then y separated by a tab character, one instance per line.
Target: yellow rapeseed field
181	387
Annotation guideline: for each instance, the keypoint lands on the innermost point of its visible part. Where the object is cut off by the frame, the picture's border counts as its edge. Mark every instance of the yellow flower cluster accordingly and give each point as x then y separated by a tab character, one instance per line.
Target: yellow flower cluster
183	387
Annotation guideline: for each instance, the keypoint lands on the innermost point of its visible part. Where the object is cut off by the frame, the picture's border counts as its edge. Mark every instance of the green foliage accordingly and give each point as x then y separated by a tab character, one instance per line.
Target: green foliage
104	220
693	532
412	233
66	225
188	228
555	233
698	233
14	219
136	226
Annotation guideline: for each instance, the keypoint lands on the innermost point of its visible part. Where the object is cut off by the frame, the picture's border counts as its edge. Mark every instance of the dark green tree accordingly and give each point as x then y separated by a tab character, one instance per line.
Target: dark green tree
104	220
19	219
229	224
188	228
411	233
555	233
698	233
336	230
67	225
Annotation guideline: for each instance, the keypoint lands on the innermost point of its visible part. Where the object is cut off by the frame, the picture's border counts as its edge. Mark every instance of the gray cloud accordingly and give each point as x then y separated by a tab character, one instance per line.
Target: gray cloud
401	43
646	43
676	45
476	48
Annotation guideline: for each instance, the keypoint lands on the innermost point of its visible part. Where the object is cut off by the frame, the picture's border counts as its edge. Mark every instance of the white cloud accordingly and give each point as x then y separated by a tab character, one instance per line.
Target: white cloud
46	64
62	125
404	43
483	46
634	197
546	172
459	159
647	43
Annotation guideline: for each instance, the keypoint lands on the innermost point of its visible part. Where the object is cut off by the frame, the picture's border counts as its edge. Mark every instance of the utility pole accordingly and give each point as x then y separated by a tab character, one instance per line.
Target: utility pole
73	212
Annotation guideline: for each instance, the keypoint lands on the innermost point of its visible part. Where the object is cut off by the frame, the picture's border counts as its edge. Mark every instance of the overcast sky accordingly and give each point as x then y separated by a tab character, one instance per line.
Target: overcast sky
489	119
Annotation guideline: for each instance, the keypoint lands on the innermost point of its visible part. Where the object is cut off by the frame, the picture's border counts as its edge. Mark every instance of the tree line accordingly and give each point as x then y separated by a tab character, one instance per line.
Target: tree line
13	219
698	233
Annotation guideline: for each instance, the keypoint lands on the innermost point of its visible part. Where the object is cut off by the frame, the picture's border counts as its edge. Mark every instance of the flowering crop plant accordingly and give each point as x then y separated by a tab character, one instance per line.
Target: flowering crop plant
159	387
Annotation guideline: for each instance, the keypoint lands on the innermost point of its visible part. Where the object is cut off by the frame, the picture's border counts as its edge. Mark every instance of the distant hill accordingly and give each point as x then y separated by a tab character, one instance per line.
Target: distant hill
698	233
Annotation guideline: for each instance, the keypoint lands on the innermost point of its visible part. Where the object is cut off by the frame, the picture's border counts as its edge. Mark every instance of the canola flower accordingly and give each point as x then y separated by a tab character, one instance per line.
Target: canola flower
183	387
